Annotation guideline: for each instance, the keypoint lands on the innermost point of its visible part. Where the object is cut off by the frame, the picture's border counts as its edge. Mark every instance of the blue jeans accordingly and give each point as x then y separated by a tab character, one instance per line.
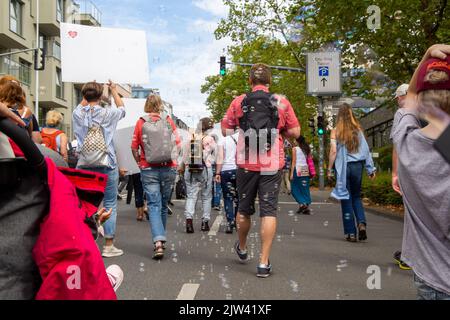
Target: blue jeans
230	196
425	292
217	192
158	184
353	208
110	199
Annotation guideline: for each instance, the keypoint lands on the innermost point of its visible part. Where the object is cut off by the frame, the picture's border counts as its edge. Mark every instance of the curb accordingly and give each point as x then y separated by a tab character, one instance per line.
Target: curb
379	212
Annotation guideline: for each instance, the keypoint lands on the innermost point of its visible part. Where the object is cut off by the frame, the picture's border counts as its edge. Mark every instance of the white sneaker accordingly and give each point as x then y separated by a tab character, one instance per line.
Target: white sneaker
115	276
111	251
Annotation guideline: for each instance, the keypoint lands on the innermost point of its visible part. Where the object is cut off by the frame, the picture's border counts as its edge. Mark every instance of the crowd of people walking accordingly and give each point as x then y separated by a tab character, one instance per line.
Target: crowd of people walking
260	154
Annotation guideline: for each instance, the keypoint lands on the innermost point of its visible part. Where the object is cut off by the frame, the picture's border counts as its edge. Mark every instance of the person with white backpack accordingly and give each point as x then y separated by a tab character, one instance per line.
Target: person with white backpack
154	149
94	127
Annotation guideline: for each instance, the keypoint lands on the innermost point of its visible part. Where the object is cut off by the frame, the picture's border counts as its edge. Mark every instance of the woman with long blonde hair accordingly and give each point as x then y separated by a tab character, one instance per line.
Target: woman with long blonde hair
349	154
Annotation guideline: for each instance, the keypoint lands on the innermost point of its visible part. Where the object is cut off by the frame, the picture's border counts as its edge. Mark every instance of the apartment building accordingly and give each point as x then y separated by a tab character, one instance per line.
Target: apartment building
18	32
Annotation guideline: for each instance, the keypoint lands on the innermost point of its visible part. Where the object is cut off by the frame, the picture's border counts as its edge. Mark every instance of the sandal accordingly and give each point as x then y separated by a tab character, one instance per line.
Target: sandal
140	214
158	251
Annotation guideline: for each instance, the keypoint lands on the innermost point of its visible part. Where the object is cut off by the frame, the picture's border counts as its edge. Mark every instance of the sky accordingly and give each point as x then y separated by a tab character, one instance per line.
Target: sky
181	45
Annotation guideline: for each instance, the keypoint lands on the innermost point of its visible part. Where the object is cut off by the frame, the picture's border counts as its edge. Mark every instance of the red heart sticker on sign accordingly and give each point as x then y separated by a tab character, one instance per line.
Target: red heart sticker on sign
73	34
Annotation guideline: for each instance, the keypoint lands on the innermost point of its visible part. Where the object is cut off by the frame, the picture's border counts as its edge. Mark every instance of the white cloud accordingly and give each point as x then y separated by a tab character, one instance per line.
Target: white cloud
201	25
181	80
215	7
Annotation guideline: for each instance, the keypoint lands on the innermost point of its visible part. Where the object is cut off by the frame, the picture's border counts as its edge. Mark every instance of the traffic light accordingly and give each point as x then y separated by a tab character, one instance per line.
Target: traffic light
321	125
39	59
312	125
223	66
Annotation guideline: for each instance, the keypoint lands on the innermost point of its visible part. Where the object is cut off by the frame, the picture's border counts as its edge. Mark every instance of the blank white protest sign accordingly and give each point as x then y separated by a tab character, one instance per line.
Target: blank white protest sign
100	54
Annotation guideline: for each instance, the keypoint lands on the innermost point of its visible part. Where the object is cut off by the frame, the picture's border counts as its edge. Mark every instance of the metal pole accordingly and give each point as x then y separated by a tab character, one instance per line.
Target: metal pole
321	152
16	52
38	45
242	64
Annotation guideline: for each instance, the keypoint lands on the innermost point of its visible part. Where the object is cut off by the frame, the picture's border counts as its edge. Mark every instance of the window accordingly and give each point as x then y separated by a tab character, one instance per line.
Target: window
15	16
25	72
59	85
60	10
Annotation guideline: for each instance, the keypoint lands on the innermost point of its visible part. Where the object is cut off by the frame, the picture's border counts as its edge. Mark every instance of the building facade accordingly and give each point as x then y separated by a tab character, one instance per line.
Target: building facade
138	92
18	32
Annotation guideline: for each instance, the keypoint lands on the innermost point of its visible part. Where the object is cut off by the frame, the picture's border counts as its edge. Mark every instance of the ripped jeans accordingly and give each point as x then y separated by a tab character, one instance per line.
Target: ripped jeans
199	184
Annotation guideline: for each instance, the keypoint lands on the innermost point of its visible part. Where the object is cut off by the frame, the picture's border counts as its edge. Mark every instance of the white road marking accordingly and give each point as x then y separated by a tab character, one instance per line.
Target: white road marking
188	291
314	203
215	227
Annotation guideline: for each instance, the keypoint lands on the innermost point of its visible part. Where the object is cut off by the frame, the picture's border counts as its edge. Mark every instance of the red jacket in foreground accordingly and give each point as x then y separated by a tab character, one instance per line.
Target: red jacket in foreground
66	254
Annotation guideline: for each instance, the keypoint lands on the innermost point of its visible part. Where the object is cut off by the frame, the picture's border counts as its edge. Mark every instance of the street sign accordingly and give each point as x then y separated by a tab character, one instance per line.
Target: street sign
323	71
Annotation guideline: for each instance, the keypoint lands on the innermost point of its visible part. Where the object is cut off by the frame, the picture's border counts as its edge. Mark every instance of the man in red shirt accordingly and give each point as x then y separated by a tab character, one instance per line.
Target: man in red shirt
259	171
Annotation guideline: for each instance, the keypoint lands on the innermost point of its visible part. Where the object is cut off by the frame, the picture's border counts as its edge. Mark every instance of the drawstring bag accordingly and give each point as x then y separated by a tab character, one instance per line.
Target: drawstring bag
94	152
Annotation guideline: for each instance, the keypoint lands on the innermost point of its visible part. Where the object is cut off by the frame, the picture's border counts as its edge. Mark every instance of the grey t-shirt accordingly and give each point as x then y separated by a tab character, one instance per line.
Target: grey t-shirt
424	178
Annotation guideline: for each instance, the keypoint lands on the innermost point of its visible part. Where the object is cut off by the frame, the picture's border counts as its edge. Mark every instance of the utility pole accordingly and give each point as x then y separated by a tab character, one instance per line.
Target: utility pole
38	45
321	150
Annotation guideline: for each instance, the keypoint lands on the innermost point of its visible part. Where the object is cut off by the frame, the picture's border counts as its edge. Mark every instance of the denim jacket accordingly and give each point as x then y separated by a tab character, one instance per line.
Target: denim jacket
340	192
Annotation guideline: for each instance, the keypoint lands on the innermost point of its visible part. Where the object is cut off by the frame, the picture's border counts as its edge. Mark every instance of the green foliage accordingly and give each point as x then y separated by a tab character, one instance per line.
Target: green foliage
384	162
380	190
222	90
389	54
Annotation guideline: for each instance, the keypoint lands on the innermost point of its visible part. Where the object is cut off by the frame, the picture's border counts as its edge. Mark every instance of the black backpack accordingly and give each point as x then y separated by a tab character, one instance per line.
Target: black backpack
196	161
260	121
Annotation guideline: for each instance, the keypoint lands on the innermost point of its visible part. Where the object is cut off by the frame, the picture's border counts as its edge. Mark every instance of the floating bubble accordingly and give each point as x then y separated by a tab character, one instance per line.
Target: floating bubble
141	270
294	286
141	264
325	224
291	213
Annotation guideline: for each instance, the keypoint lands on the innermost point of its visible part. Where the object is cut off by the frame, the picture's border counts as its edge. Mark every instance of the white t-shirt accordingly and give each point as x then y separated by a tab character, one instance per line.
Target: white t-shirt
229	144
302	164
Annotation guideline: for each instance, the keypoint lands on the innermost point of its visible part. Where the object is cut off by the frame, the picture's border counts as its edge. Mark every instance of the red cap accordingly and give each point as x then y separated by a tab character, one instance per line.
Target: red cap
434	64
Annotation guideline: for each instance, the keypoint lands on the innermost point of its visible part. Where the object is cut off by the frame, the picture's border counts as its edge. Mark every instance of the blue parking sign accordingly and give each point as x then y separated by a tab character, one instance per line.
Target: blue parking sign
324	71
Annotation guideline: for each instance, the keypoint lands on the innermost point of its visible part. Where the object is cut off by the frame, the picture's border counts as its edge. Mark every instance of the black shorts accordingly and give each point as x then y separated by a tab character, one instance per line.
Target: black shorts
251	183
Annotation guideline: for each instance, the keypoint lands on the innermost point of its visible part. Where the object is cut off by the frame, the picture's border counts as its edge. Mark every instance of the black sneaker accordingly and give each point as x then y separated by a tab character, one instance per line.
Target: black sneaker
169	211
242	254
362	232
398	256
307	211
398	259
205	226
189	226
229	228
264	270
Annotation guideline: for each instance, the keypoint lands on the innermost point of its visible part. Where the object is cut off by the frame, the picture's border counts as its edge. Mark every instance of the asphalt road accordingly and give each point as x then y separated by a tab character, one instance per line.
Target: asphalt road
311	260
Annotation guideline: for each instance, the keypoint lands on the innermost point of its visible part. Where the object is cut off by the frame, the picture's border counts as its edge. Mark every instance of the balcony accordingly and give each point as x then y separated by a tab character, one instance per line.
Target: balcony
10	29
86	13
16	69
50	16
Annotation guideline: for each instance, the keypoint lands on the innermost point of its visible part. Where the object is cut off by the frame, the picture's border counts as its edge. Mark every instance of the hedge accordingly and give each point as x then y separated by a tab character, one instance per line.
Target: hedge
380	190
